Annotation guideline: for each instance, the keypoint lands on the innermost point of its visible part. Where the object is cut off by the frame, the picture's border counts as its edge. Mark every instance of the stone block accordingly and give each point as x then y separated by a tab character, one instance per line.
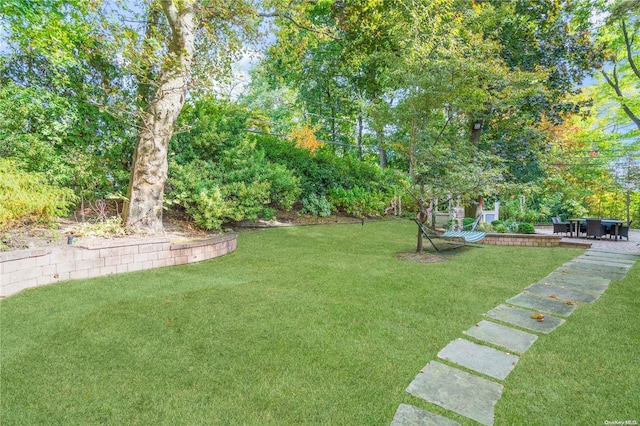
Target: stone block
135	266
159	263
456	390
108	270
500	335
79	274
561	293
89	264
522	318
149	248
483	359
44	280
408	415
544	304
65	266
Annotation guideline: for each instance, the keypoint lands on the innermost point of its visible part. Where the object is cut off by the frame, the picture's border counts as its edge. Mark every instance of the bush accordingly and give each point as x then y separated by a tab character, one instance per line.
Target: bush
213	195
467	222
500	228
217	175
321	172
358	202
316	205
526	228
27	196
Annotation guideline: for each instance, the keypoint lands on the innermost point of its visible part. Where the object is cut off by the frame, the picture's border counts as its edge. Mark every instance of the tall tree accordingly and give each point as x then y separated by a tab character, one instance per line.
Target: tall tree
143	208
194	29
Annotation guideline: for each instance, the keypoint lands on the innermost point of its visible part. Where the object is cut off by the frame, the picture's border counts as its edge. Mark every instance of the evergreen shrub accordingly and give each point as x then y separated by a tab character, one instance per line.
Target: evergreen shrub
27	196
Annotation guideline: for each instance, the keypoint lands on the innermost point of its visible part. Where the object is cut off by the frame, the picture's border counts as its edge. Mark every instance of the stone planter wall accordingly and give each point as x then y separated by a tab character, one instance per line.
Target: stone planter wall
528	240
24	269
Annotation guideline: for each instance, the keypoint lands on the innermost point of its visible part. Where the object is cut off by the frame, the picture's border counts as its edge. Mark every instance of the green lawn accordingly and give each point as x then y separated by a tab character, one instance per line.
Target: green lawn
303	325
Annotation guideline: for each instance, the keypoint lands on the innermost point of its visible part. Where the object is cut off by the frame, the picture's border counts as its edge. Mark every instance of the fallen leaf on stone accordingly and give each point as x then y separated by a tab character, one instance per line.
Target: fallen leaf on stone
537	316
553	296
569	302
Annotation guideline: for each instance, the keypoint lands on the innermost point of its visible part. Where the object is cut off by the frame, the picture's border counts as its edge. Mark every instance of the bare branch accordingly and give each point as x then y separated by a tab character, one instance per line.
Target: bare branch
615	85
627	44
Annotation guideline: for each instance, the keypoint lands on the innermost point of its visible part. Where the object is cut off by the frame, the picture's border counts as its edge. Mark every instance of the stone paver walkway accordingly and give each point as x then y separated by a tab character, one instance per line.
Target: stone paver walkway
553	299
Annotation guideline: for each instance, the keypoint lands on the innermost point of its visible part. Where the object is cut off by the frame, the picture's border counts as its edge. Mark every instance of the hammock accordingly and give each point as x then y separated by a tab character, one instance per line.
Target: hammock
467	236
470	236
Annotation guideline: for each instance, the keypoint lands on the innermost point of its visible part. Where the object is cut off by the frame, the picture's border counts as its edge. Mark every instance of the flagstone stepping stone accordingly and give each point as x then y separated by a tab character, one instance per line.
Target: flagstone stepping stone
510	338
615	255
563	276
597	267
587	260
560	293
571	269
522	318
408	415
480	358
545	304
609	260
456	390
594	289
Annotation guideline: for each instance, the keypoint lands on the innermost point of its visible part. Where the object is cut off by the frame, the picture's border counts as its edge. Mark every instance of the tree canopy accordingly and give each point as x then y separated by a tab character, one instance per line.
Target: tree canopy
451	98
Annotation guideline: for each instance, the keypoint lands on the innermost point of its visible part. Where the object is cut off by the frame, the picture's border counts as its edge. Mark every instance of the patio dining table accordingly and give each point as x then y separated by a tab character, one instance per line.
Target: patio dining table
574	225
615	224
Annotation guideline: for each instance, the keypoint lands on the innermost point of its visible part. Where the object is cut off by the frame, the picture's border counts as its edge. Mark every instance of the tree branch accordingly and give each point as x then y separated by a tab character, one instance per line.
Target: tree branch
171	12
298	24
615	85
627	44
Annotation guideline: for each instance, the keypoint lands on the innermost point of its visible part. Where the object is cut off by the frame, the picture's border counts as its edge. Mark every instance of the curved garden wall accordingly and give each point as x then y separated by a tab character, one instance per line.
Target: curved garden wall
24	269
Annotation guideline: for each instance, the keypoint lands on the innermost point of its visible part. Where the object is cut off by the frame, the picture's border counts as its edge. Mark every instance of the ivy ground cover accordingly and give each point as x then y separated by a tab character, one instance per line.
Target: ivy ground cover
302	325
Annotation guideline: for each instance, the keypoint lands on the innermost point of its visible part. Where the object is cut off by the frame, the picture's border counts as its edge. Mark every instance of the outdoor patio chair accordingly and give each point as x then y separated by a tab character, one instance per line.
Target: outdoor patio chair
623	231
595	228
559	226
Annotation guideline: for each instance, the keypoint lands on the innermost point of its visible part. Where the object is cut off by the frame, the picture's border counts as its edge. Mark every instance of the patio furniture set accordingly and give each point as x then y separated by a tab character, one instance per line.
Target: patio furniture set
590	227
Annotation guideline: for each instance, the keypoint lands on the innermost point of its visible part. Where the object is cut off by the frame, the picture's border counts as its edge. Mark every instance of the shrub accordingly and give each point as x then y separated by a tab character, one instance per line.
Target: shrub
500	228
358	202
243	185
526	228
27	196
467	222
322	171
316	205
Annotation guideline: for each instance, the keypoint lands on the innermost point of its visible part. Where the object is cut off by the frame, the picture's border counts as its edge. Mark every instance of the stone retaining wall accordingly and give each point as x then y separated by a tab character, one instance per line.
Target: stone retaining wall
36	267
528	240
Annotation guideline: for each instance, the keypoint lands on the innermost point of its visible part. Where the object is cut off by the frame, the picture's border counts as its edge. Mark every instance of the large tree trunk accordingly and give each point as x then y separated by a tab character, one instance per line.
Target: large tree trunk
381	149
143	209
359	137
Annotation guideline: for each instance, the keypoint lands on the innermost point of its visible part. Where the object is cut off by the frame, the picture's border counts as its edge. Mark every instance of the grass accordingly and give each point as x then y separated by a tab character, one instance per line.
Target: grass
302	325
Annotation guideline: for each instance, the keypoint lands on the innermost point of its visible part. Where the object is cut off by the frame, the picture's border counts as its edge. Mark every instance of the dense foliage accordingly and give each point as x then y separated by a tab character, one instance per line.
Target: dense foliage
219	173
26	195
353	104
